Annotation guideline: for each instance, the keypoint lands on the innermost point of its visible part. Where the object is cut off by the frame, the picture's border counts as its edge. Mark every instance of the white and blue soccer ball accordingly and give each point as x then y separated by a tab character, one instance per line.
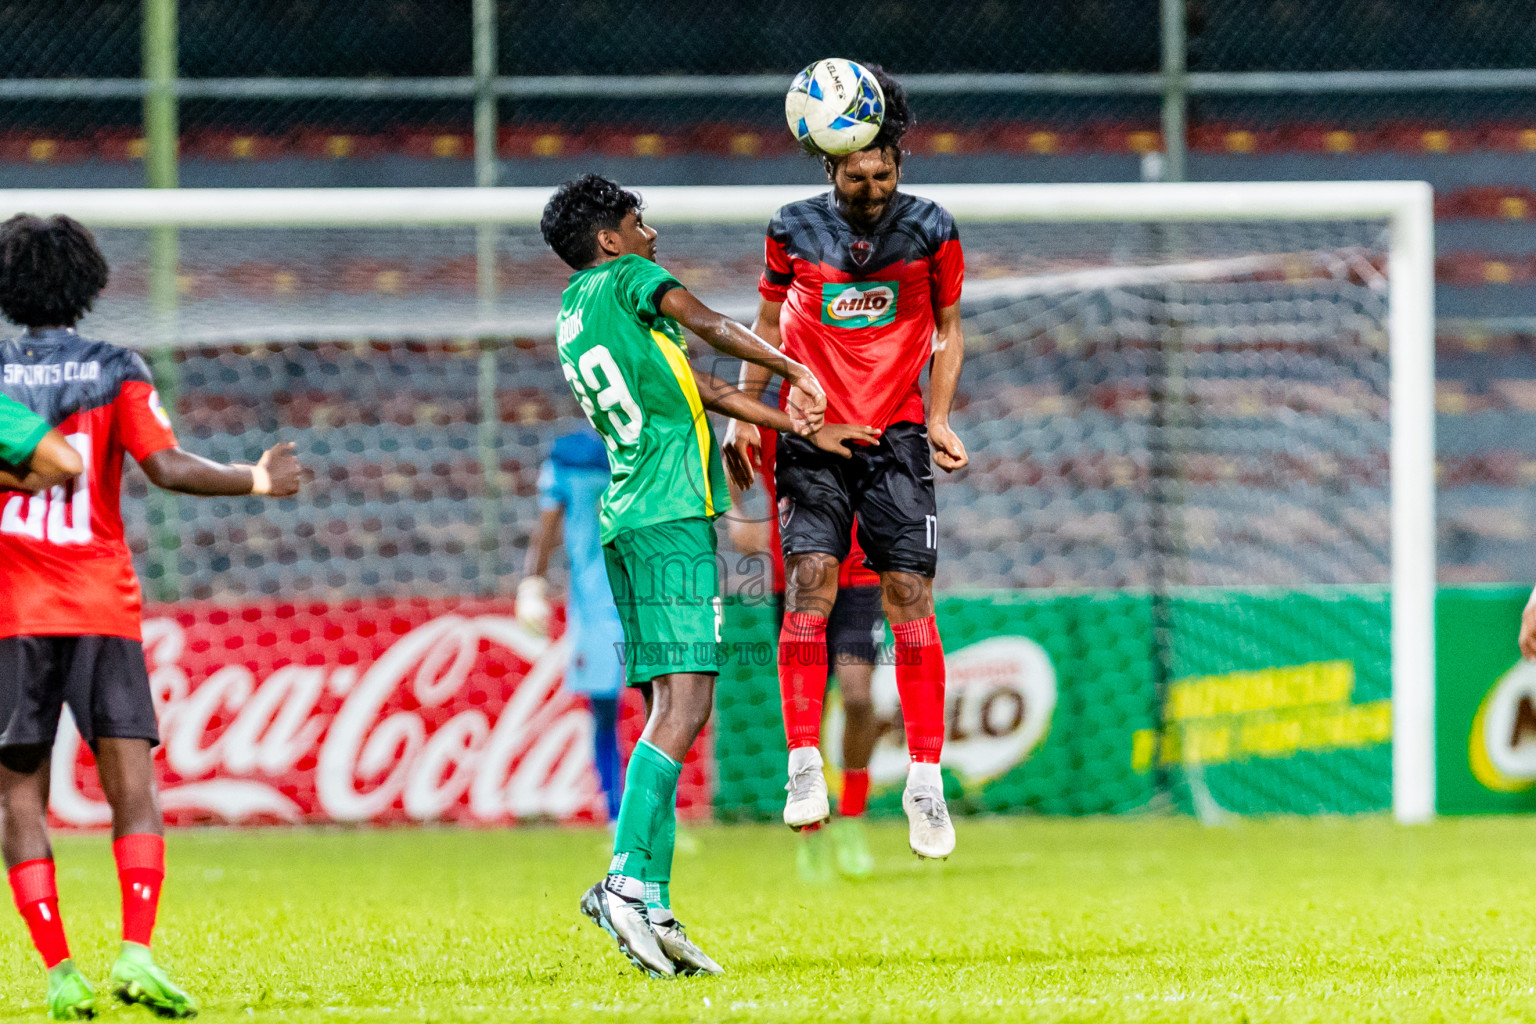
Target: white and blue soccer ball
835	106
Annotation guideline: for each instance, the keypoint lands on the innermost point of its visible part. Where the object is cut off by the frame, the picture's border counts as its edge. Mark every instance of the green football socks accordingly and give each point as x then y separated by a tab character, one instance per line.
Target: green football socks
658	872
647	827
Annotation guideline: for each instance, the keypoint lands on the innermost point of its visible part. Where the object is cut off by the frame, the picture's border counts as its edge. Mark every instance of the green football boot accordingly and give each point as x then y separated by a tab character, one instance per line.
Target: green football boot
136	978
851	848
811	856
69	994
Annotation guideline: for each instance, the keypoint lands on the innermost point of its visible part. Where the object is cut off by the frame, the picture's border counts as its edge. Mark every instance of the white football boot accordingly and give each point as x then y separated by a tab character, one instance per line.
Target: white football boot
617	906
686	957
929	831
807	788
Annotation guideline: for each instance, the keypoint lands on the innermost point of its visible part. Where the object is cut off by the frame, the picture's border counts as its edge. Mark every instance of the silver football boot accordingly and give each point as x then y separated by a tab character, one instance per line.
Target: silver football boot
616	905
807	787
929	830
687	958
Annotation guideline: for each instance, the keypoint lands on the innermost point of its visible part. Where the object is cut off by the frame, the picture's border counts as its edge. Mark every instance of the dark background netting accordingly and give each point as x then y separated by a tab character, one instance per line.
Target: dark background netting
318	38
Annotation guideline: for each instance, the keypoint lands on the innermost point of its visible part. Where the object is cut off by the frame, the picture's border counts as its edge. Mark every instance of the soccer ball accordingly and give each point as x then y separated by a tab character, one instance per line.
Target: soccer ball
834	107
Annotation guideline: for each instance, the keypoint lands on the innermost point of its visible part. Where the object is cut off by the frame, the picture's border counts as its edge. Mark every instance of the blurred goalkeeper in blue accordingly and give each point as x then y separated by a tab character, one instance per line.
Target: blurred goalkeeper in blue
571	481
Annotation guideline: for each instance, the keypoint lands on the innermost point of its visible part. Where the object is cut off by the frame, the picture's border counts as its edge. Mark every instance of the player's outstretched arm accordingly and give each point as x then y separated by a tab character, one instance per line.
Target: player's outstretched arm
277	474
53	462
807	402
943	378
724	398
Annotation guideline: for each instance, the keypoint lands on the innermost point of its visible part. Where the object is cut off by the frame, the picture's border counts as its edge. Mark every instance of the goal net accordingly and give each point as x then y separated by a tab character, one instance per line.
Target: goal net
1190	564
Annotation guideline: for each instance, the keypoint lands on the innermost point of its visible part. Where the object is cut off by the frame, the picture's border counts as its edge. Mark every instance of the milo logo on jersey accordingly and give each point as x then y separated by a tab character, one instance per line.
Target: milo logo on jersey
855	304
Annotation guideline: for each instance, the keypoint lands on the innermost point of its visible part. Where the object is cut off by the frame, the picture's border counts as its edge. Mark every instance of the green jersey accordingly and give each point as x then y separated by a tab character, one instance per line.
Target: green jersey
628	366
20	431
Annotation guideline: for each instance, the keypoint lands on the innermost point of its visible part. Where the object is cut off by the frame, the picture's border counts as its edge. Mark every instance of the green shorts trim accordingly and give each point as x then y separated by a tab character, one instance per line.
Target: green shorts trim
666	584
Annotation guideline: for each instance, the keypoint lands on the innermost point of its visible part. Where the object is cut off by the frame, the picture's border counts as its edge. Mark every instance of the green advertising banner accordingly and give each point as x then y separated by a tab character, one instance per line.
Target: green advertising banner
1279	704
1485	703
1046	695
1280	701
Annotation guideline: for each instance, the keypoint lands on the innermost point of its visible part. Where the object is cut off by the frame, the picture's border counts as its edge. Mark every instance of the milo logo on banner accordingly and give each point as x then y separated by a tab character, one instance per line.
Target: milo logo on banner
854	304
1502	744
1000	695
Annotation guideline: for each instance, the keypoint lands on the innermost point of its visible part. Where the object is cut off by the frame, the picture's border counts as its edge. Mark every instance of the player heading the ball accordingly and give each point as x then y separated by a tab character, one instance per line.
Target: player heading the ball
862	284
622	350
70	606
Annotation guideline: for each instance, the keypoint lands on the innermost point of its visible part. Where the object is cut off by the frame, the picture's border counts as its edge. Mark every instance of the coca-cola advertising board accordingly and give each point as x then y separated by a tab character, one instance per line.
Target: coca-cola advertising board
368	712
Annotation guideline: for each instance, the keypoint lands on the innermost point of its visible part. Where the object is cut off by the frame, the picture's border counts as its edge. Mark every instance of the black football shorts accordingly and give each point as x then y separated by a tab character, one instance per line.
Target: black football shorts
887	487
103	679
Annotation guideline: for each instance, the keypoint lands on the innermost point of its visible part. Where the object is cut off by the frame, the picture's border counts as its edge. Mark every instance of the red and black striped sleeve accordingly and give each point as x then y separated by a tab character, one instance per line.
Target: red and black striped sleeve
947	266
778	269
142	423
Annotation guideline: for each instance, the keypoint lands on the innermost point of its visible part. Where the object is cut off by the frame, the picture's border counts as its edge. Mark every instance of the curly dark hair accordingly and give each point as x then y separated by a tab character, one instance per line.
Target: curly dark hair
578	210
51	270
894	126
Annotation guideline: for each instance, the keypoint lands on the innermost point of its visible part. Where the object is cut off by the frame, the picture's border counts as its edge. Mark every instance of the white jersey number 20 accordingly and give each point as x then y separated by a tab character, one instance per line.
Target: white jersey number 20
53	515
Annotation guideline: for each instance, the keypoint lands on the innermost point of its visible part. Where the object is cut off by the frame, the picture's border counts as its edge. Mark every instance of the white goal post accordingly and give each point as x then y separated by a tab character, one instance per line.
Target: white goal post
1405	206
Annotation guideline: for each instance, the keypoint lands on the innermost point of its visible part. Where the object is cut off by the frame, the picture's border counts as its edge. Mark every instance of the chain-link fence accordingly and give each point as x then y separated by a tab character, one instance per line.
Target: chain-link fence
289	78
318	92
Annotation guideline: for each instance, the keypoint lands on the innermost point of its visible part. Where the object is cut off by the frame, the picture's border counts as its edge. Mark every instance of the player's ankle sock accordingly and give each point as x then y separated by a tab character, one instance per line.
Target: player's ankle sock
855	792
803	676
658	869
924	773
36	891
801	758
140	875
650	782
920	682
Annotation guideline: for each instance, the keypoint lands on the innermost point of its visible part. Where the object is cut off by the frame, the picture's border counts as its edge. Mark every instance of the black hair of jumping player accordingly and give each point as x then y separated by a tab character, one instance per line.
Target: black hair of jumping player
578	210
897	122
51	270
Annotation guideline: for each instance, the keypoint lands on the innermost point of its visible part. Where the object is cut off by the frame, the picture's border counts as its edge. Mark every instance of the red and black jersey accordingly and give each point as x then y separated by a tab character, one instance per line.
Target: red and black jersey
859	308
65	563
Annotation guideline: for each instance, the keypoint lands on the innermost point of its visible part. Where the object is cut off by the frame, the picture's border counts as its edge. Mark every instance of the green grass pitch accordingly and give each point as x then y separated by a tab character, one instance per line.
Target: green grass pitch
1033	920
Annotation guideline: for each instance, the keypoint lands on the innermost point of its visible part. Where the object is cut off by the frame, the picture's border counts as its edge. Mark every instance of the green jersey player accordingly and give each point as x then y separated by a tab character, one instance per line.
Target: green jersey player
623	353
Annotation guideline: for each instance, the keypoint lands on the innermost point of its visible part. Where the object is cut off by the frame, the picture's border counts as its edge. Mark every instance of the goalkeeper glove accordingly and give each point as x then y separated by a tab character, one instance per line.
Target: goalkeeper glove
532	609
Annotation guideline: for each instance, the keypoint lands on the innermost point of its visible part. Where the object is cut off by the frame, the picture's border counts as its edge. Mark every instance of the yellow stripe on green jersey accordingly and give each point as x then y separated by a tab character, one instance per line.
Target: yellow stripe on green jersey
684	374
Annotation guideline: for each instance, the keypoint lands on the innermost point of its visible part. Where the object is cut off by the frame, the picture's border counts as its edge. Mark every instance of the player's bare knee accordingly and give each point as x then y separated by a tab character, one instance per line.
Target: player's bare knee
135	813
906	596
699	704
811	583
698	718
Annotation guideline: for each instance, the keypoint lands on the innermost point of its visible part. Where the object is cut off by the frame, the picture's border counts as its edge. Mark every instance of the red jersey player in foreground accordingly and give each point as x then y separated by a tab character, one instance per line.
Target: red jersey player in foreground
862	284
70	607
855	632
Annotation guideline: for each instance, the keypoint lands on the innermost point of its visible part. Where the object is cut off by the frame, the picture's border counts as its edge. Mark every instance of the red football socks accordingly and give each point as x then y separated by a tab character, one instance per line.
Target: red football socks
37	897
140	874
920	682
803	676
855	792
